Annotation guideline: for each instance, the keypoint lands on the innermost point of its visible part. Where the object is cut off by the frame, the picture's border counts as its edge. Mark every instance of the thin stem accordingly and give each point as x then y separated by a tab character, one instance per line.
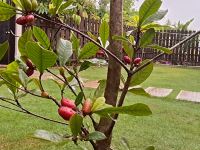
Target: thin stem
27	91
4	99
40	80
69	86
55	75
87	37
11	108
35	115
77	79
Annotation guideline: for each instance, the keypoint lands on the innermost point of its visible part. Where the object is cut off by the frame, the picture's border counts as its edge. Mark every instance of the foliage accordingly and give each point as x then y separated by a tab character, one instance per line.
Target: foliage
37	53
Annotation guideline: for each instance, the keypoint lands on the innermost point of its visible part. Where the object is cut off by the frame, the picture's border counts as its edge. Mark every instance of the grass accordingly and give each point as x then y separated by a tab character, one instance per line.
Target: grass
174	125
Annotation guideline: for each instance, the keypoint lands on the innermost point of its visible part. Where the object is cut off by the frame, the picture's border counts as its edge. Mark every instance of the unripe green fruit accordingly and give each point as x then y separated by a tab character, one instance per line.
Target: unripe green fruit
34	4
27	5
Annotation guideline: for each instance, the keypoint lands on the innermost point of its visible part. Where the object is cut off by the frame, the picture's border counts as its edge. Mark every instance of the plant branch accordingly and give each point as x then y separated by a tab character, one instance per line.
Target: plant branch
77	79
27	91
35	115
161	54
40	80
87	37
4	99
81	88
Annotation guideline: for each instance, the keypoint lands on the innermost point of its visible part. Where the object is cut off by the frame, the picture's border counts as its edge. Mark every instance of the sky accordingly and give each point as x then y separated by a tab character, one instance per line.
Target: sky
182	10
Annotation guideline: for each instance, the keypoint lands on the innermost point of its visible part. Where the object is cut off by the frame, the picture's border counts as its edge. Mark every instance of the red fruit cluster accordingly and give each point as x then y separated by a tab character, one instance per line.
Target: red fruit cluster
127	60
23	20
67	108
30	70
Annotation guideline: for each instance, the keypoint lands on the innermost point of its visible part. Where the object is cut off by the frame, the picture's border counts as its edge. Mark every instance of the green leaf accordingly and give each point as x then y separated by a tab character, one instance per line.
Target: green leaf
3	49
75	123
138	109
120	38
42	37
56	4
64	51
128	49
57	83
157	16
156	26
6	11
18	3
75	43
92	36
104	32
23	77
100	89
99	103
140	76
13	67
160	48
147	37
79	98
85	65
2	83
48	136
147	9
139	91
40	57
89	50
96	136
65	5
10	81
26	36
37	83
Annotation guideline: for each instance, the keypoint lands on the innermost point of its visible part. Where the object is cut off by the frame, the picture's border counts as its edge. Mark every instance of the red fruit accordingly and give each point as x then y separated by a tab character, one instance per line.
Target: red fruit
127	59
66	112
29	72
137	61
101	53
29	63
87	105
68	103
21	20
30	18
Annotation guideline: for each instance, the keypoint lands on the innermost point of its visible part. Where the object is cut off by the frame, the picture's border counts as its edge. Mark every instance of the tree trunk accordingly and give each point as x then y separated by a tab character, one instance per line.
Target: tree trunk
114	70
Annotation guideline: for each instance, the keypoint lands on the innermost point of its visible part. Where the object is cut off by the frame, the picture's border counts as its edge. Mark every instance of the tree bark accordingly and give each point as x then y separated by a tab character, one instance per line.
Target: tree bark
114	70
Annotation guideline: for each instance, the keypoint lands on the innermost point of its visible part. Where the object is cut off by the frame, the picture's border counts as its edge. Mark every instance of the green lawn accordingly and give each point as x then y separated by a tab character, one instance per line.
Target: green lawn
174	125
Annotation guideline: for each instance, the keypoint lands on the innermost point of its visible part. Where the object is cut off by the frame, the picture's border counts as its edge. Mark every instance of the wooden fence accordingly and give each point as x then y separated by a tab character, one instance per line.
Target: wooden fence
186	54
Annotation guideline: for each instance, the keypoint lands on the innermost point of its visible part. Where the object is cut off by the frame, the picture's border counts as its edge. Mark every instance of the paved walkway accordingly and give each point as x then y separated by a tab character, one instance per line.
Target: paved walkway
189	96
